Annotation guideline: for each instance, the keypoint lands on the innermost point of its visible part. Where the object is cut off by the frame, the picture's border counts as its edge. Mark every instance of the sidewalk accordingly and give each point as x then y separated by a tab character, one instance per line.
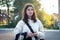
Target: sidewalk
7	34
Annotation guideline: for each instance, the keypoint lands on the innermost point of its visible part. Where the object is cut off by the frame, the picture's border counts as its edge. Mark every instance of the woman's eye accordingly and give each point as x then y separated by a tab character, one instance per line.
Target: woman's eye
31	9
28	9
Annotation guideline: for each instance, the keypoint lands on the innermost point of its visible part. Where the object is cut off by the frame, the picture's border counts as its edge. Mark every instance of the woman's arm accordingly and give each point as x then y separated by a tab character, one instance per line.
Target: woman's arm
18	30
41	33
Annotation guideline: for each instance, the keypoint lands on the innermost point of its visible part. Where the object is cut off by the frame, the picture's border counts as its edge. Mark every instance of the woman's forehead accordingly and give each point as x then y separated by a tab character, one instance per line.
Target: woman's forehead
30	8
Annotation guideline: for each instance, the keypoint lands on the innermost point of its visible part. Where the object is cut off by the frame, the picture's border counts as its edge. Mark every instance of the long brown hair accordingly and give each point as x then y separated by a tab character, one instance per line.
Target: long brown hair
24	14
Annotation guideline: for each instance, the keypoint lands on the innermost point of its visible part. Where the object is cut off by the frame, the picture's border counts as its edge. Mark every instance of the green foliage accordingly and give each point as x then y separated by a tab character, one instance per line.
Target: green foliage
10	25
4	2
45	19
56	27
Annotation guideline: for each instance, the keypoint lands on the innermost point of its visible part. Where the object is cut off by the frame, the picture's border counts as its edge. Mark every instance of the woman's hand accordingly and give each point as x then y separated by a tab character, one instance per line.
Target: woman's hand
29	35
35	34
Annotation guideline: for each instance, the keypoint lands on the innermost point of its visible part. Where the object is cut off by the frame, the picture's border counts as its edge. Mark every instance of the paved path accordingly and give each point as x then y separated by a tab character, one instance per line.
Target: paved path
8	35
52	35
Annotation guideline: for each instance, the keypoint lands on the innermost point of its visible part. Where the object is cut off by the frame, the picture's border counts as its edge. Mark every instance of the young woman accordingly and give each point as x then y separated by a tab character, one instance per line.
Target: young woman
29	16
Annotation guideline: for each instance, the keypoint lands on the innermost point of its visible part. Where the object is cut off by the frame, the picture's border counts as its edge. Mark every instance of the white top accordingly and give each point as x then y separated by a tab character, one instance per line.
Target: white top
21	27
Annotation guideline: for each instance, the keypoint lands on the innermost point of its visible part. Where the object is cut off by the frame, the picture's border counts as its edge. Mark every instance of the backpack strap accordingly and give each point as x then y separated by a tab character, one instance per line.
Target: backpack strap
30	29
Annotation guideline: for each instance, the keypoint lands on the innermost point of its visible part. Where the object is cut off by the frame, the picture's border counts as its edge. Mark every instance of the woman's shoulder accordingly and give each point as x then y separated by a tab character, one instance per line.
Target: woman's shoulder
21	22
38	20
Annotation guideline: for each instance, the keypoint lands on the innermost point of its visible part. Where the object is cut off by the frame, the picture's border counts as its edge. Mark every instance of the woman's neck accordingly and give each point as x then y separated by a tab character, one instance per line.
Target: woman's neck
29	17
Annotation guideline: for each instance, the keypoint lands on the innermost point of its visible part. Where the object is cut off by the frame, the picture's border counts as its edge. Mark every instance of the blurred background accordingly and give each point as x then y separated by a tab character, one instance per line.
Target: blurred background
11	12
47	11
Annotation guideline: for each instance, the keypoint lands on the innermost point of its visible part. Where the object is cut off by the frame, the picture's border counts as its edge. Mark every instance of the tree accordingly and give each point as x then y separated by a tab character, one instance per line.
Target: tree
6	3
45	19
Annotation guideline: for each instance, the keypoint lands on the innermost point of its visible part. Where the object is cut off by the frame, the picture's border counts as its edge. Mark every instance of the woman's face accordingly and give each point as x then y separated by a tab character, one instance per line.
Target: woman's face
29	11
